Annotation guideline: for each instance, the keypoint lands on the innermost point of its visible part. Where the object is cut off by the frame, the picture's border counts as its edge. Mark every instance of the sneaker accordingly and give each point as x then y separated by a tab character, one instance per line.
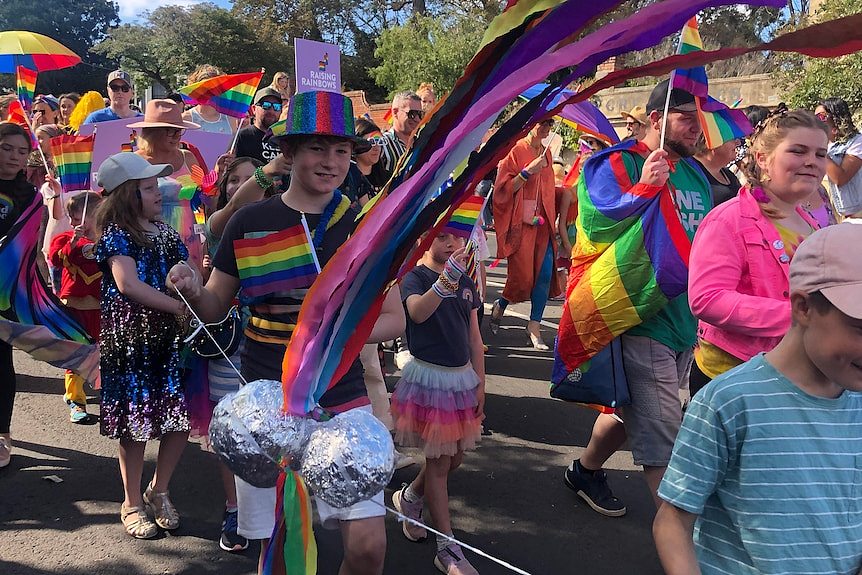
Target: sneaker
593	488
413	511
450	560
402	353
78	413
403	460
163	510
230	540
5	452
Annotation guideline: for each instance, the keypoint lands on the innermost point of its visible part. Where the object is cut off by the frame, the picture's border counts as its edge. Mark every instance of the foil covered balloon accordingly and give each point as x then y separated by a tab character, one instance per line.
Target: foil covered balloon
254	437
349	458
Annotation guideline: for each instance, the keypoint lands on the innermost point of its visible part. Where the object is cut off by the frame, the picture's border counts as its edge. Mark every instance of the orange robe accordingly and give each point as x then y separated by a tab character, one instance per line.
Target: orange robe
521	244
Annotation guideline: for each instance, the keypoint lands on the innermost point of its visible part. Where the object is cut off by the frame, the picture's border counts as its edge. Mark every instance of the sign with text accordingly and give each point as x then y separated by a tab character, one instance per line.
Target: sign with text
318	66
115	136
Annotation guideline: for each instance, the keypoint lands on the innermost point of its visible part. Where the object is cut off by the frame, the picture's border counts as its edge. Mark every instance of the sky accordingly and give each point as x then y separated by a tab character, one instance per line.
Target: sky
132	10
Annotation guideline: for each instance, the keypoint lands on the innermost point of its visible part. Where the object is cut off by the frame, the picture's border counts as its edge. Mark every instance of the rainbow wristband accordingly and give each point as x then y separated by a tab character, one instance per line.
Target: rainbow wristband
525	175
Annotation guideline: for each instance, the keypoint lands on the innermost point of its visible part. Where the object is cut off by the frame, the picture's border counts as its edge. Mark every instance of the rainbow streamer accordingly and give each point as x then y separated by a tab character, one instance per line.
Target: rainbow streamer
465	217
17	115
691	80
230	94
292	549
721	124
26	84
73	159
275	262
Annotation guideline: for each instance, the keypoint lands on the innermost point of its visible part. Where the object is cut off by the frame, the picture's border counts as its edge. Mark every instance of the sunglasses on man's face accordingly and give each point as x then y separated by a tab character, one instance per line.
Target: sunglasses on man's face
631	125
120	88
274	106
415	114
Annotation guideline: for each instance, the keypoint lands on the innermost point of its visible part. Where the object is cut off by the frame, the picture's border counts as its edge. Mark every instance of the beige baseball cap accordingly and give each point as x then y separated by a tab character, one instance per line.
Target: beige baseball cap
827	261
638	114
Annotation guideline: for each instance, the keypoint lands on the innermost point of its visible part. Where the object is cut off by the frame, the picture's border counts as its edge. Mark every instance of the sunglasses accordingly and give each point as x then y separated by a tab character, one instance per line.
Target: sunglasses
119	88
274	106
174	131
631	124
375	140
415	114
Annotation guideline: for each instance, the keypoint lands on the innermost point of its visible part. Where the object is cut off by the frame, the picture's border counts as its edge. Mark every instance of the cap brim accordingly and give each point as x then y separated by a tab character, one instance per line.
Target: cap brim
157	171
184	126
845	298
687	107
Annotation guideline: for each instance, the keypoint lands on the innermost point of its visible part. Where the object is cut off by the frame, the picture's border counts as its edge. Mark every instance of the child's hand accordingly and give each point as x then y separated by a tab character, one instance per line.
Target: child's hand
53	182
207	262
223	161
77	234
456	265
278	166
185	280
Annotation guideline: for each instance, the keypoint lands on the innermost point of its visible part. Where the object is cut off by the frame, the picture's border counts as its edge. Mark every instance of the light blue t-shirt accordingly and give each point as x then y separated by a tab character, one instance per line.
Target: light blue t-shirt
774	474
105	115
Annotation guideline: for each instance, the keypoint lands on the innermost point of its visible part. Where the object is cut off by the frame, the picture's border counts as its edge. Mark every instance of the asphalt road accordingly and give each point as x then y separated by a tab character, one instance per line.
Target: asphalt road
508	498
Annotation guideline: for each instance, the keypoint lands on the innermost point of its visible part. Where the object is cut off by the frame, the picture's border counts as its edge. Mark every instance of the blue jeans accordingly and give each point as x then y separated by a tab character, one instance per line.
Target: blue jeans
542	289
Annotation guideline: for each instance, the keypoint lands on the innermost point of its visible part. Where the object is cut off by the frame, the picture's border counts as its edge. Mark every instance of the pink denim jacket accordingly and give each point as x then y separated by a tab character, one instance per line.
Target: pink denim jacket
738	278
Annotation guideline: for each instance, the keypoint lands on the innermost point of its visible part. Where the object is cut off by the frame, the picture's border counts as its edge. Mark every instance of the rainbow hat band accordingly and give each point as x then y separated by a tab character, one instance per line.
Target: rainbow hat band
321	114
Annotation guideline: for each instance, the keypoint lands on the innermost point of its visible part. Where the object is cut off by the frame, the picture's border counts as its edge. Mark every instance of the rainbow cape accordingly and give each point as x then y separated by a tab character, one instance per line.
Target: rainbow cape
33	319
465	217
630	258
721	124
230	94
275	262
692	80
26	84
73	159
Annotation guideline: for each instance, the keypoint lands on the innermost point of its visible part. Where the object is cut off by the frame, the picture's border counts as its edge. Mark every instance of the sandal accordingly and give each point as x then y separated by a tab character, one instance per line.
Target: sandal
137	522
163	510
495	318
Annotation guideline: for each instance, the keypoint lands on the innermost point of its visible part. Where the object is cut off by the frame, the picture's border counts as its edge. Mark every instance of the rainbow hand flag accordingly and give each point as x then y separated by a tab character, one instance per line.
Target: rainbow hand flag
272	262
465	217
73	160
692	80
230	94
721	124
17	115
26	86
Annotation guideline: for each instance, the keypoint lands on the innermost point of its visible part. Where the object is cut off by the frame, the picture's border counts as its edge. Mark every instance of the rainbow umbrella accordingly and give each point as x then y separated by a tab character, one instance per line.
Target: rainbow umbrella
582	116
33	51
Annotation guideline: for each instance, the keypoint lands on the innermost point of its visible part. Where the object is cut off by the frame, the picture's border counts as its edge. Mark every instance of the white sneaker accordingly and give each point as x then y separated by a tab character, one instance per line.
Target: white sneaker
402	358
5	452
403	460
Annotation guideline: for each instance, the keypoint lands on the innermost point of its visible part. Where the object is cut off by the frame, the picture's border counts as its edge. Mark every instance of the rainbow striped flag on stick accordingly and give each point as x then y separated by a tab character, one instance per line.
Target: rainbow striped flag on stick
17	115
721	124
275	262
26	80
230	94
465	217
692	80
73	160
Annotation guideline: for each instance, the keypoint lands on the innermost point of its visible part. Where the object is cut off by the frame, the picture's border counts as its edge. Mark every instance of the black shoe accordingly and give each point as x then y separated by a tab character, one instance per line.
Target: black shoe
593	488
230	540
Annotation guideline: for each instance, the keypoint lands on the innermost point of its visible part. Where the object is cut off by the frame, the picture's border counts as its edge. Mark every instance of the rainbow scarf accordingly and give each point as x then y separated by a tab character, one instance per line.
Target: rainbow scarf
271	262
691	80
73	159
630	258
230	94
465	217
26	84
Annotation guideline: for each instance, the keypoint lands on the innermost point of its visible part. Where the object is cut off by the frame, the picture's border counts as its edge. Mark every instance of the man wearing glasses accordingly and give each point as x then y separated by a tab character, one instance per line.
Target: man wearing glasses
266	110
637	123
406	115
120	94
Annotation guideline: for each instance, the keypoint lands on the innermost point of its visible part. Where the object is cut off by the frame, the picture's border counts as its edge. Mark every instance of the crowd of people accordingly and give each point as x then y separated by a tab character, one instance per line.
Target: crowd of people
762	460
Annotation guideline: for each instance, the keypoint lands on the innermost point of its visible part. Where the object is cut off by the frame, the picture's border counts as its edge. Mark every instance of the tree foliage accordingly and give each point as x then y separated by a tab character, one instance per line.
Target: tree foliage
174	40
77	24
804	81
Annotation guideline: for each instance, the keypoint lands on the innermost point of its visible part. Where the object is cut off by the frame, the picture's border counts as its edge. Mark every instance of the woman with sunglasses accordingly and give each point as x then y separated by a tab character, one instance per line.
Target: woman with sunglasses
845	155
357	186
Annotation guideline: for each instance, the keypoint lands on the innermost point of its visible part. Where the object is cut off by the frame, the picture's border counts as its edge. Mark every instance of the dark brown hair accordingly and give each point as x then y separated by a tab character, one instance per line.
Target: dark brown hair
122	206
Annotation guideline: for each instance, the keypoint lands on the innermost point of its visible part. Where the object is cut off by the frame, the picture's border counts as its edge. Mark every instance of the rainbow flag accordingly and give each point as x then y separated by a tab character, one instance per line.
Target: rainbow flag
692	80
230	94
629	260
17	115
26	86
721	124
73	160
387	117
465	217
271	262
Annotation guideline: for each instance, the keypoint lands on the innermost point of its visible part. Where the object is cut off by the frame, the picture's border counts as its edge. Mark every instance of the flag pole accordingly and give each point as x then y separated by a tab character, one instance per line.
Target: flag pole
32	131
666	110
236	134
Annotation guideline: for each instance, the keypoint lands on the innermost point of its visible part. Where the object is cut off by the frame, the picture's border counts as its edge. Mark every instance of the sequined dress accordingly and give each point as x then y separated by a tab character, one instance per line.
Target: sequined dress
142	394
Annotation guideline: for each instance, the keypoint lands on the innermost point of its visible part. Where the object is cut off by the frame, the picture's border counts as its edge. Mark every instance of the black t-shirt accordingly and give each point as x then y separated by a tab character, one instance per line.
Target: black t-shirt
250	144
356	185
443	338
722	192
274	315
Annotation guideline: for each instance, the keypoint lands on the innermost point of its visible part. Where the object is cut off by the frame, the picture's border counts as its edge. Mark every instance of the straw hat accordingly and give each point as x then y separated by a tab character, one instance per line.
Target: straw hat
164	114
638	114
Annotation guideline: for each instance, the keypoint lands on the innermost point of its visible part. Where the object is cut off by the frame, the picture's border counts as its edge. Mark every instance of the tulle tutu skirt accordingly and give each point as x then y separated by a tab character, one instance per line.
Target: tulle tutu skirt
434	407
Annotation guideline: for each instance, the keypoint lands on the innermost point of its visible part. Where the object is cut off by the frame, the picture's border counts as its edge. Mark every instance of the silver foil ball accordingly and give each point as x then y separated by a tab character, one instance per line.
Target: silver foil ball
349	459
254	437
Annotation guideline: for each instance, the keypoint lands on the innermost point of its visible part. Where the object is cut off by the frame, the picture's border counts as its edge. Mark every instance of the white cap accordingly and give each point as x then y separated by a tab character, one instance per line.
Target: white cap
118	169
